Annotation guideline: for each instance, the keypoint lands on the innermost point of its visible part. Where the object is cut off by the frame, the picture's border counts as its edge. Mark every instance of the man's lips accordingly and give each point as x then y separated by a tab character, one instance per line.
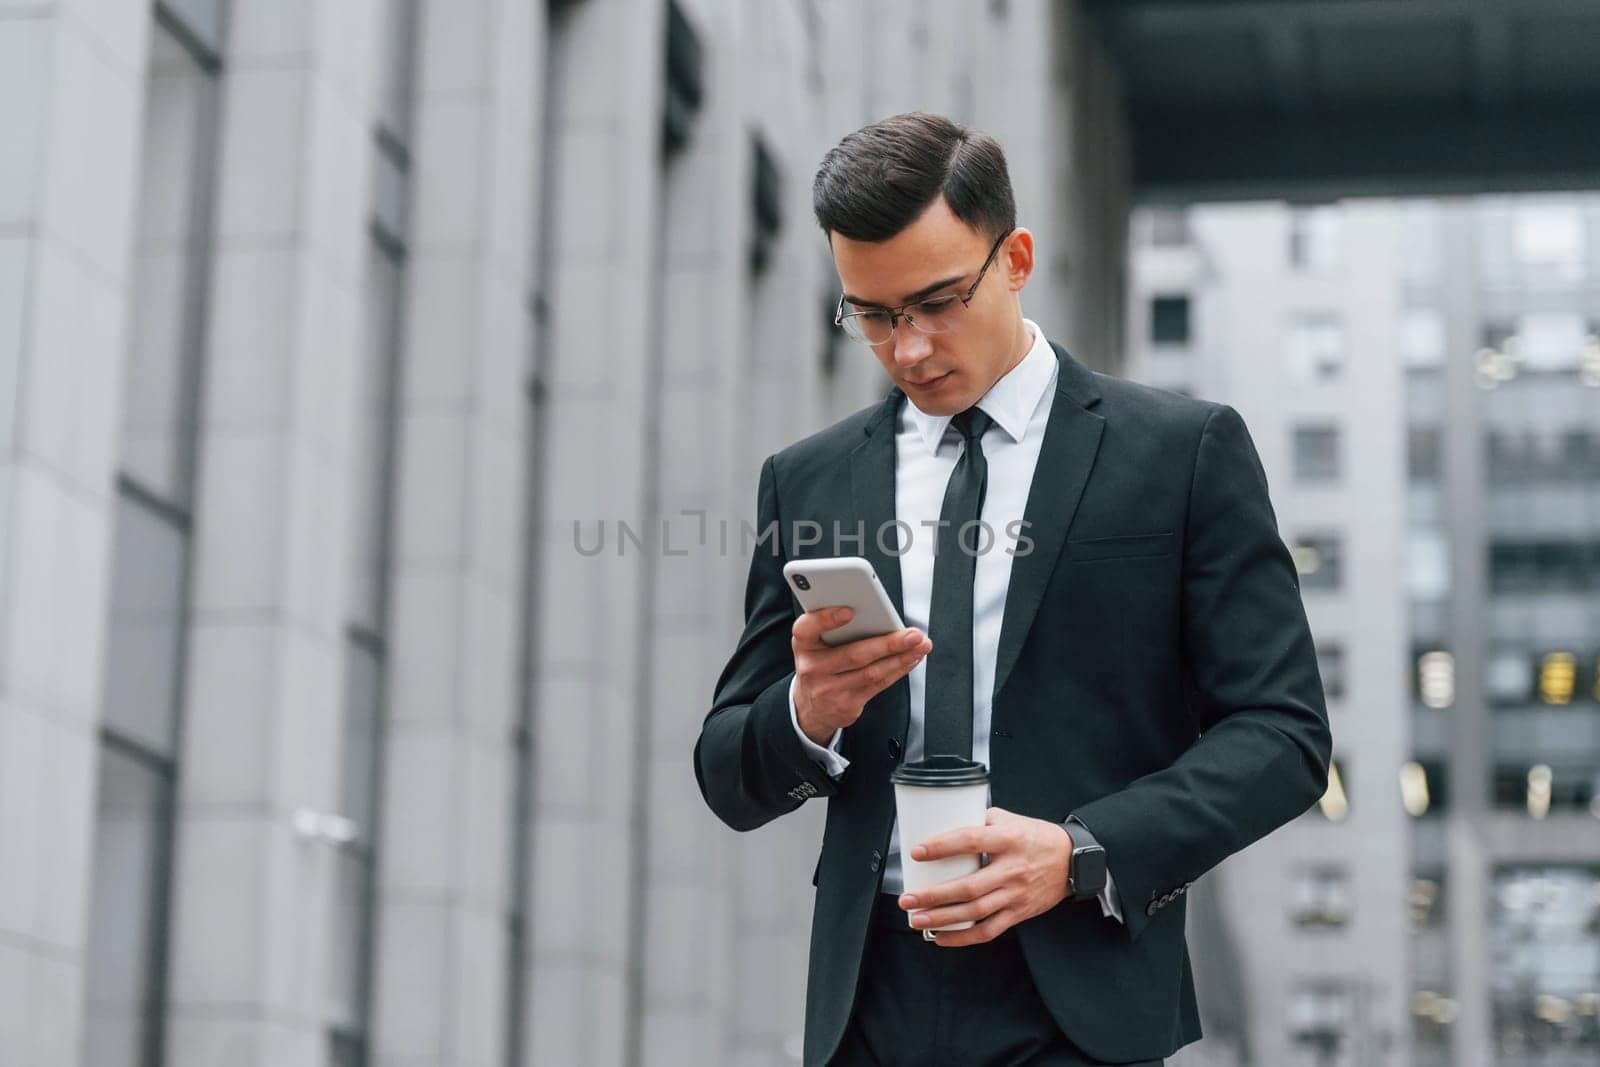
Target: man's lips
929	381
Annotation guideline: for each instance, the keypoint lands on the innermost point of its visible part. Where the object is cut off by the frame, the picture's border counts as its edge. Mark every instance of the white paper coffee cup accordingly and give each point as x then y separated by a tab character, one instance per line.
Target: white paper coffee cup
931	796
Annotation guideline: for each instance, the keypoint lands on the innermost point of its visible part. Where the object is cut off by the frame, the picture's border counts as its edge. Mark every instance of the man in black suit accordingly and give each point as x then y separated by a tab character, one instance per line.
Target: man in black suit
1130	655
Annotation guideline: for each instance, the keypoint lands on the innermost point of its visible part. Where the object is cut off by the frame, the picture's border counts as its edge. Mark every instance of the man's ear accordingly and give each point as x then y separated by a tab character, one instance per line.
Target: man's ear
1016	257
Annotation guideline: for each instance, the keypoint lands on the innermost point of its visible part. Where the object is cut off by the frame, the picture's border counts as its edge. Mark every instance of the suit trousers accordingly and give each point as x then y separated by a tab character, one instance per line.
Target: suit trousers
976	1006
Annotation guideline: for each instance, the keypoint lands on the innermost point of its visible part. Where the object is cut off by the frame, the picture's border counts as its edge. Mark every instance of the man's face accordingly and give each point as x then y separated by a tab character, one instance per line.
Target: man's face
939	255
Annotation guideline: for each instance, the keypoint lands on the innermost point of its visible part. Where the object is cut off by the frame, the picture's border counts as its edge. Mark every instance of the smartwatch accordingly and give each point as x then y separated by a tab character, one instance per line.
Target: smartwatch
1086	877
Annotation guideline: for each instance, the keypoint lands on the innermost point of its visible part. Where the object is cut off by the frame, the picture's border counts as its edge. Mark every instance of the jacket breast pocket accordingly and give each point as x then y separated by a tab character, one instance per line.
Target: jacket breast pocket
1126	546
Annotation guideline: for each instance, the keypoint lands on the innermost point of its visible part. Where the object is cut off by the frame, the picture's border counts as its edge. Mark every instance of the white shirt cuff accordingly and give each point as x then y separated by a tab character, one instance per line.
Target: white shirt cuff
829	757
1110	900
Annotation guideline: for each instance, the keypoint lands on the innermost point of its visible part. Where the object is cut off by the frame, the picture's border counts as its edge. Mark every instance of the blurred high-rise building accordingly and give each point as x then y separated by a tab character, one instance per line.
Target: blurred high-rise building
1287	315
1500	336
1423	382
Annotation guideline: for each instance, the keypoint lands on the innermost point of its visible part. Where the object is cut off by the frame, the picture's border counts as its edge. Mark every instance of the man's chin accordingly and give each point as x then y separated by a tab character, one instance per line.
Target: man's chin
938	397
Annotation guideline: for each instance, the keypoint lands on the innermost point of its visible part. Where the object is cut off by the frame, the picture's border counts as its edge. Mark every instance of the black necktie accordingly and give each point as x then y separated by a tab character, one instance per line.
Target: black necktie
947	696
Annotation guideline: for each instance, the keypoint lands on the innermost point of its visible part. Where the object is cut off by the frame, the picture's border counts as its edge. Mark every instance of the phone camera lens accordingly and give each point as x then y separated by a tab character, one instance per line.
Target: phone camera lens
800	580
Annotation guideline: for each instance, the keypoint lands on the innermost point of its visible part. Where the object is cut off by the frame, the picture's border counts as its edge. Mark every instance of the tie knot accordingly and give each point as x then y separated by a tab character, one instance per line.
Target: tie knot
972	424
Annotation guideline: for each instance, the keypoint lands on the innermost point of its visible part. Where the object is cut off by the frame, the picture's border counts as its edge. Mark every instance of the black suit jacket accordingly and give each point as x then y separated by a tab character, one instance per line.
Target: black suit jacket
1156	678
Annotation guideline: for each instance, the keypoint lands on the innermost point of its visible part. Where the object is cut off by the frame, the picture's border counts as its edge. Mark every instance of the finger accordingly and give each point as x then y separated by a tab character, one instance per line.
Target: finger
879	675
983	881
967	839
869	650
808	628
980	933
965	911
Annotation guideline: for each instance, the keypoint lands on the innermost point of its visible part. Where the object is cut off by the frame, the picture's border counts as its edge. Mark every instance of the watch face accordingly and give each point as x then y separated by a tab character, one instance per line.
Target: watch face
1089	870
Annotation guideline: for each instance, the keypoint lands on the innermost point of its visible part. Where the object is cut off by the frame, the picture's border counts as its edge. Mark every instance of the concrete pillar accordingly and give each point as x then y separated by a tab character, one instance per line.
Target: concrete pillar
72	80
445	869
606	137
1469	738
264	711
684	904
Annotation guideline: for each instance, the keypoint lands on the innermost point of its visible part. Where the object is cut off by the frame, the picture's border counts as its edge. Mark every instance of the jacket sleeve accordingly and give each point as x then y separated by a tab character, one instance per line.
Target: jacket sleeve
749	760
1262	754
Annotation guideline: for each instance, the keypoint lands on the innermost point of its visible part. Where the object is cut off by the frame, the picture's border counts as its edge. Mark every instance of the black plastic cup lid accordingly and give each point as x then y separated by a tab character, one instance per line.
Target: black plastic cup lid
939	771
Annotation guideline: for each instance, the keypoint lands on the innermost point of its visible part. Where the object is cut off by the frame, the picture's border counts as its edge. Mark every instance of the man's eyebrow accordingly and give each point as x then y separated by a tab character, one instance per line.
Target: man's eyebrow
911	299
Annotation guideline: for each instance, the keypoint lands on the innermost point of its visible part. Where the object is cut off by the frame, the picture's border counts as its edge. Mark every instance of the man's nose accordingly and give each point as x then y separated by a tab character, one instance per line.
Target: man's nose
911	345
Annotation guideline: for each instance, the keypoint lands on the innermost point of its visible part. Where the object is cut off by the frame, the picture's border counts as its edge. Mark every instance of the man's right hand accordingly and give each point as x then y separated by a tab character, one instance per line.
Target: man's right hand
833	685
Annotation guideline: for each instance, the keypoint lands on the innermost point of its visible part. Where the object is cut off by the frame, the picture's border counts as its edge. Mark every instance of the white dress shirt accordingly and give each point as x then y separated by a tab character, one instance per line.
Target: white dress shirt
926	451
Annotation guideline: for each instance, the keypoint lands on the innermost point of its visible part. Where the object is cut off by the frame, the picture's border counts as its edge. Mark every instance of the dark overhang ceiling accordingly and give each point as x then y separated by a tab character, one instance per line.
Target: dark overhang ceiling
1313	99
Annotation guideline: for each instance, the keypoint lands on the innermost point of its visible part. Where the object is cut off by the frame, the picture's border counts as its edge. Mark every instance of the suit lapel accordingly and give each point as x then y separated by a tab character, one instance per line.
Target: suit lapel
1071	441
872	499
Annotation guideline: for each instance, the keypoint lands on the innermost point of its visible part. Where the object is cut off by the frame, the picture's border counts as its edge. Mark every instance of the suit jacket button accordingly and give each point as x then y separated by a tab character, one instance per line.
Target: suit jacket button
1152	907
877	860
894	748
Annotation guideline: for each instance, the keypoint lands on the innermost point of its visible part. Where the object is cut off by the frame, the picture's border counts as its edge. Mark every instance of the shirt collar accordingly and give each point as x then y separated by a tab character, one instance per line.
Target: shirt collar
1010	402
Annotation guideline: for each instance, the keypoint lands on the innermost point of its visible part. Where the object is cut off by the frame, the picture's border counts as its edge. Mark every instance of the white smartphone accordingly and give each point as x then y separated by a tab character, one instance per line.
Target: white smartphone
848	581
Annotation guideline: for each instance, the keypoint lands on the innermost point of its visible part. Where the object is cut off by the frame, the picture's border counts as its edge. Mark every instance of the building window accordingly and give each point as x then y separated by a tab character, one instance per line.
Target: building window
1550	342
1549	239
1508	676
1558	678
1316	453
1169	320
1424	453
1315	345
1578	457
1319	1015
1320	560
1315	237
766	201
1427	564
1321	896
685	72
1542	788
1424	787
198	22
1331	665
1497	359
132	852
351	954
1169	226
129	896
1431	1015
1335	802
1436	678
1425	901
1422	338
1544	566
1544	936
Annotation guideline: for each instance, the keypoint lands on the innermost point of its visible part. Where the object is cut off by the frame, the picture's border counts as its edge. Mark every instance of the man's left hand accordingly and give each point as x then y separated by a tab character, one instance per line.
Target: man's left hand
1026	876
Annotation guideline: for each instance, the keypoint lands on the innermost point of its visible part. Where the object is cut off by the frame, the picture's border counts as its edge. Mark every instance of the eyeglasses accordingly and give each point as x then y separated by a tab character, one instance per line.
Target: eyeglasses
939	314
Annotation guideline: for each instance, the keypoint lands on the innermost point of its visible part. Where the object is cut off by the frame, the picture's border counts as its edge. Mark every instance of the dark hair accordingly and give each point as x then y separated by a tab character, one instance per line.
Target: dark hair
876	181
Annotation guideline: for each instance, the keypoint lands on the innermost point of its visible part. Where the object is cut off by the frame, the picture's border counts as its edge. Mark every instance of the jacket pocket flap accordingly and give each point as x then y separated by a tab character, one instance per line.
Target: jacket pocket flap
1129	546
